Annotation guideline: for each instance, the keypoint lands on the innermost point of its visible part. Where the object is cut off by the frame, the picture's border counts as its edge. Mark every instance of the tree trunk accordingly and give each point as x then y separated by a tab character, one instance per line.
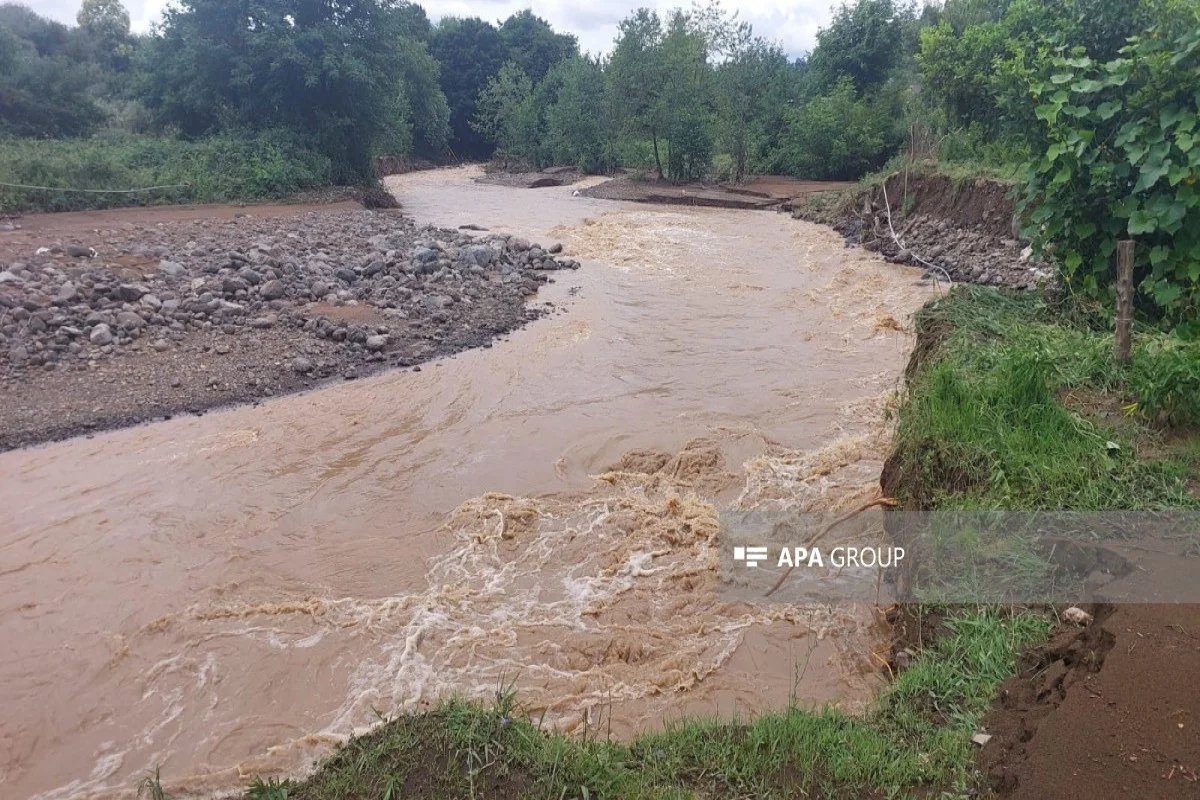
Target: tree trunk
657	160
1124	337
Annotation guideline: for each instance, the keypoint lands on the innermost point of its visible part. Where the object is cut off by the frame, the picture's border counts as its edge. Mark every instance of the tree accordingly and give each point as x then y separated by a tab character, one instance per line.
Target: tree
41	95
839	136
470	52
863	42
684	100
330	72
635	78
506	116
577	129
533	45
753	89
106	24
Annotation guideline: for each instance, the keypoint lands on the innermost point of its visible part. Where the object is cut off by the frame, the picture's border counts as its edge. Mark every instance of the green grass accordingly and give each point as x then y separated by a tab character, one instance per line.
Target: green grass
917	736
218	169
1011	407
984	425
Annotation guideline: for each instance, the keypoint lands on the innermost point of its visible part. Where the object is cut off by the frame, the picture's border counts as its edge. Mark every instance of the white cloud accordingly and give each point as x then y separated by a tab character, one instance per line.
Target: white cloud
793	24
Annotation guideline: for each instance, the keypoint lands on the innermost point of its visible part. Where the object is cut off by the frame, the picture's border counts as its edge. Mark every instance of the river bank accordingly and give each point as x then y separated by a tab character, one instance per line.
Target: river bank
110	319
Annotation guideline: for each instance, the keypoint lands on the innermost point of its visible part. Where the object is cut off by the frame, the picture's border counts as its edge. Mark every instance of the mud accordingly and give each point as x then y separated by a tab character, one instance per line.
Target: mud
234	594
767	192
1106	710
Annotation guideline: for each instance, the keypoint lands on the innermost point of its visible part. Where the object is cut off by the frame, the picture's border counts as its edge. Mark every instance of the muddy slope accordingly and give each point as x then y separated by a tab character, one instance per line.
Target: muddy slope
102	327
964	231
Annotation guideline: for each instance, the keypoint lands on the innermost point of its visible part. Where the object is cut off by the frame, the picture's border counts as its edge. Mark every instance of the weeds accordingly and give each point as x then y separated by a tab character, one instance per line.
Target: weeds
983	427
151	787
218	169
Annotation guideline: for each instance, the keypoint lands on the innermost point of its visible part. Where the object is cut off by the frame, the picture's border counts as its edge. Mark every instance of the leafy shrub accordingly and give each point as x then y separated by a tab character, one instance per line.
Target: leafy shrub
840	136
1122	163
218	169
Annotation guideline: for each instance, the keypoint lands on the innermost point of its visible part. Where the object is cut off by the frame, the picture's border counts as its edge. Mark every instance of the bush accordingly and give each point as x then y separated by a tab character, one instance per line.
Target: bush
1122	162
840	136
219	169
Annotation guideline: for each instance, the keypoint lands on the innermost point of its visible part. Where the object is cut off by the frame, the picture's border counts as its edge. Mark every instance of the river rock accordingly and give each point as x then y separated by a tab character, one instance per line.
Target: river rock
272	290
101	335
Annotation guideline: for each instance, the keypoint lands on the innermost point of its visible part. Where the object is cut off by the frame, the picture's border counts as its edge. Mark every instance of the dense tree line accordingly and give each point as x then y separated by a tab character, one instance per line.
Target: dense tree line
694	93
348	79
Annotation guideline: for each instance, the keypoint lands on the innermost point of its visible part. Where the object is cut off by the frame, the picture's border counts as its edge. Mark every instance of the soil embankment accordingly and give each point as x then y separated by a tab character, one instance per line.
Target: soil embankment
766	192
113	318
962	230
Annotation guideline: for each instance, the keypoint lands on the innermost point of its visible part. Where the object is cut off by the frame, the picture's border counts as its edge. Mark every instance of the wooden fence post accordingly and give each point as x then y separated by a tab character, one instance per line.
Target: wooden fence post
1124	339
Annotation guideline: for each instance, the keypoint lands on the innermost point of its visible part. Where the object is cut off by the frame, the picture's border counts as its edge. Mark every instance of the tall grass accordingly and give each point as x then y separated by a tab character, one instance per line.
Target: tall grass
218	169
983	425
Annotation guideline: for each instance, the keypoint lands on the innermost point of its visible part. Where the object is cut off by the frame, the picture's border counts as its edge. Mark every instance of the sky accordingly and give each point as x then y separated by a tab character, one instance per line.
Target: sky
791	23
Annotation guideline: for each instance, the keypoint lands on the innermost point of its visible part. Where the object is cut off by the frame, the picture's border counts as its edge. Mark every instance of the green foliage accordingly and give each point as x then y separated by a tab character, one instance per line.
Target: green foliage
840	136
863	43
334	73
42	91
506	114
106	25
1164	376
577	128
636	79
1122	162
533	45
683	106
470	52
914	742
270	165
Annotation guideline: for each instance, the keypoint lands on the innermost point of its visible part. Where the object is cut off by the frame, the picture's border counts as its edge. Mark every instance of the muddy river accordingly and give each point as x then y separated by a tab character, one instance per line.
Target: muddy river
233	594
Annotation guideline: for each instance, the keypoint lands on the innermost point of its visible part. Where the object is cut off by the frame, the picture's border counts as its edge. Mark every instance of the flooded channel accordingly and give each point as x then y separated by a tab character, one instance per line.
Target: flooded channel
233	594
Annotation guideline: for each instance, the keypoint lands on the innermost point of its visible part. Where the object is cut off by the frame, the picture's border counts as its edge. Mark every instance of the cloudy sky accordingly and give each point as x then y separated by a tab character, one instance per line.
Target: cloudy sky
792	23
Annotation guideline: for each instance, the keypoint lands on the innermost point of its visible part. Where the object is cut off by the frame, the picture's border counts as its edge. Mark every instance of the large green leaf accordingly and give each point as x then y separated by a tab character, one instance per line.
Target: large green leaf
1140	222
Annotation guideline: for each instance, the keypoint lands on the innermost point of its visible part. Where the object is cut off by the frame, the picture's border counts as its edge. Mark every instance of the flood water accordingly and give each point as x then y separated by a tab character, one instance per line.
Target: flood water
233	594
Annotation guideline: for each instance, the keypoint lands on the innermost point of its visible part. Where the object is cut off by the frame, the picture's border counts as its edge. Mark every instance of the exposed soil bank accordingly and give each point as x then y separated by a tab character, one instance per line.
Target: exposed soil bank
1107	710
965	230
540	179
112	318
765	192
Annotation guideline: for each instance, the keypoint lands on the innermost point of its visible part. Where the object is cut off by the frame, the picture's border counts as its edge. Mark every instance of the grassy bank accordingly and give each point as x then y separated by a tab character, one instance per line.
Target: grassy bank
217	169
1010	406
918	735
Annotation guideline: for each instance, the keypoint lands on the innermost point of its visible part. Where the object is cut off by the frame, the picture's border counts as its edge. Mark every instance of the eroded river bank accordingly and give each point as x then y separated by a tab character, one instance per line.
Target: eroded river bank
233	594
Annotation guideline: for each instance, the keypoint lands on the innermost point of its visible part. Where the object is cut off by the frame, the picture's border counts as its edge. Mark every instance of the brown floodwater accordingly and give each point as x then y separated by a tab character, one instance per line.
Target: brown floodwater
233	594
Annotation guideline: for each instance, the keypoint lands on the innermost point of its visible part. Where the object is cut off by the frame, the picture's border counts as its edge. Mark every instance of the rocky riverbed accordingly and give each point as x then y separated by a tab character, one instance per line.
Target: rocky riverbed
113	326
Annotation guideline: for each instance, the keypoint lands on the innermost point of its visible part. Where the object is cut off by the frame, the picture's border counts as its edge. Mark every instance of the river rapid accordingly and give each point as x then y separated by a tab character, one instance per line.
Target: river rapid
233	594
